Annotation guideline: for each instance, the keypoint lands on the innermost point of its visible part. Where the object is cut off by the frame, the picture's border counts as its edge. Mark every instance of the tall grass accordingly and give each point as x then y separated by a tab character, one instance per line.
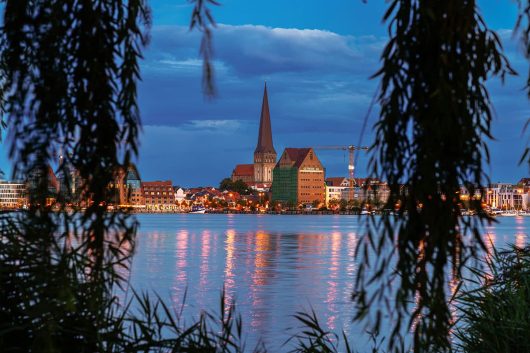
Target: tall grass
494	317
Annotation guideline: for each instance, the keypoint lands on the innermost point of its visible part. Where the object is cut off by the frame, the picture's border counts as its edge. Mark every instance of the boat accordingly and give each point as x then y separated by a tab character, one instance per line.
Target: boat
198	209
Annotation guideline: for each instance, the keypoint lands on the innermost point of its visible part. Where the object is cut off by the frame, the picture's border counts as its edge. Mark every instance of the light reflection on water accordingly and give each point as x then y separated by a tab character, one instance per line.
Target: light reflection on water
272	266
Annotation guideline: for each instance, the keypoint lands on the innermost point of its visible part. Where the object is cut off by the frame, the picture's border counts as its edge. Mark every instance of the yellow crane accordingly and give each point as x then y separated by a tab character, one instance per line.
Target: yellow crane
351	163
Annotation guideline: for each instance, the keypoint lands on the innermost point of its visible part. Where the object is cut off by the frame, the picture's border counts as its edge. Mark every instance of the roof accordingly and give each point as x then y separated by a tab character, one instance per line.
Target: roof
265	132
525	181
297	155
157	183
244	169
335	181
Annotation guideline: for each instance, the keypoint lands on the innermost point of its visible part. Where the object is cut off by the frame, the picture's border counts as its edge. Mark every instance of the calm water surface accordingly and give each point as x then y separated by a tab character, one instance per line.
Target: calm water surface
273	266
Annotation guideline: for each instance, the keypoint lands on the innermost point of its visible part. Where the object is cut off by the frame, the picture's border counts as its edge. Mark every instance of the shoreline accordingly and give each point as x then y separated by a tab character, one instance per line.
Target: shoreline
283	212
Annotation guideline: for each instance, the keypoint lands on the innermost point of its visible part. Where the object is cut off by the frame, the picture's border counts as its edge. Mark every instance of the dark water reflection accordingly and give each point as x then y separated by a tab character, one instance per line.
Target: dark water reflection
273	266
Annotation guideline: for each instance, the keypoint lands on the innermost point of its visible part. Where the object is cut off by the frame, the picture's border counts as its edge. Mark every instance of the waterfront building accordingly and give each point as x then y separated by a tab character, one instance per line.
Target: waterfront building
70	183
367	190
180	195
298	177
13	195
334	188
159	196
465	194
259	175
43	181
244	172
127	188
506	196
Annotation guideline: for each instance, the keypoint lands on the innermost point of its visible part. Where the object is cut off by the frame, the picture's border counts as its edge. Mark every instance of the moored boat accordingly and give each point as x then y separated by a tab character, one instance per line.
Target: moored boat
198	209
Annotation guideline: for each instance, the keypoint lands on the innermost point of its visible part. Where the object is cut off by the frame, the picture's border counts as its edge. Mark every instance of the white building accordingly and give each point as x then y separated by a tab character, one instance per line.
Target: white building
180	195
506	197
335	187
12	195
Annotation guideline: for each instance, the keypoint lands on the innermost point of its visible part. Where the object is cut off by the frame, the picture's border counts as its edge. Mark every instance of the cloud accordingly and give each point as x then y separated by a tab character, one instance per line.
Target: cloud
311	74
319	93
219	126
250	50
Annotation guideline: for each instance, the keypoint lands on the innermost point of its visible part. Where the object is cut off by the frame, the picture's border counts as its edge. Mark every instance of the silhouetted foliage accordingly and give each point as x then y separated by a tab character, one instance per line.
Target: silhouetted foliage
69	75
493	308
202	19
522	26
238	186
431	137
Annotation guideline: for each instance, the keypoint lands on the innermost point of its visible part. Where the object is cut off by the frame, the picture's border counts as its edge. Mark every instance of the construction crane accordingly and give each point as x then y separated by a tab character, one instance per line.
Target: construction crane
351	164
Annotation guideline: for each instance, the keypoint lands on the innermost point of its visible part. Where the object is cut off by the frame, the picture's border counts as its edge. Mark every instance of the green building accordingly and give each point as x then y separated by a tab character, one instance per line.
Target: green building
298	178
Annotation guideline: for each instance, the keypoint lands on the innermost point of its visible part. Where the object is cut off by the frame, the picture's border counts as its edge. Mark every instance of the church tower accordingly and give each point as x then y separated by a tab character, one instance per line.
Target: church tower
264	154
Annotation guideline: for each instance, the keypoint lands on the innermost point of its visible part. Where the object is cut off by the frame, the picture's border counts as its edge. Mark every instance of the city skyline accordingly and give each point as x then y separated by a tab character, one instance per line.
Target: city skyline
317	67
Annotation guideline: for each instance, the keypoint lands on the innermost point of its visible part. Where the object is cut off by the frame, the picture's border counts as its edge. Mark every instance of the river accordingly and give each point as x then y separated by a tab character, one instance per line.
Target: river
271	265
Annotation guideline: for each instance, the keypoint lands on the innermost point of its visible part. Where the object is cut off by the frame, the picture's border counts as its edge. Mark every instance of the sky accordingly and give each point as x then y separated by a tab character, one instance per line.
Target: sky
317	57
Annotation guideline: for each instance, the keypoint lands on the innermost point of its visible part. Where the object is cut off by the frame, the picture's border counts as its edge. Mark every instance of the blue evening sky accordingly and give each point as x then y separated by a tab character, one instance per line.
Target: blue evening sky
317	57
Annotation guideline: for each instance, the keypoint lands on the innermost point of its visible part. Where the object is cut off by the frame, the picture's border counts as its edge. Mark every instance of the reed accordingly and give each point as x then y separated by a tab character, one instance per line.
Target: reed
494	316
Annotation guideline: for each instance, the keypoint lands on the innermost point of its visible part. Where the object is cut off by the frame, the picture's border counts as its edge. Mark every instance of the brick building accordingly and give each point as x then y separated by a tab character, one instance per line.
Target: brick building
159	196
244	172
298	177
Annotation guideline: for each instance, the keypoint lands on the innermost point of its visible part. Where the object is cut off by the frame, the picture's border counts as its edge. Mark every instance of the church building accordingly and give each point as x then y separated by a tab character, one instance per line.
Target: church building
259	174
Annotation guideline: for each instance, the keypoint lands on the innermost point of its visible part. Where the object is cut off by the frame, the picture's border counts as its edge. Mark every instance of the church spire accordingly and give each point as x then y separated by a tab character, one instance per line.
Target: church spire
265	132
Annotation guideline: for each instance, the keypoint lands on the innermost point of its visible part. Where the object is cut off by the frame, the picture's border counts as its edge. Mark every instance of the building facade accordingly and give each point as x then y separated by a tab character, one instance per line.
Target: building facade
13	195
159	196
244	172
506	196
367	191
298	177
127	188
334	188
71	185
42	185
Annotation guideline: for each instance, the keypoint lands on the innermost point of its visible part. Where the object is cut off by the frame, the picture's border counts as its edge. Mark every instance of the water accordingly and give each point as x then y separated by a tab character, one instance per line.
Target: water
273	266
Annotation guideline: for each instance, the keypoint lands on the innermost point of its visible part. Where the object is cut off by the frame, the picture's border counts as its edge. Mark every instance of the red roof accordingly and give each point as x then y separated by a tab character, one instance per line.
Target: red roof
157	183
244	170
335	181
297	155
524	181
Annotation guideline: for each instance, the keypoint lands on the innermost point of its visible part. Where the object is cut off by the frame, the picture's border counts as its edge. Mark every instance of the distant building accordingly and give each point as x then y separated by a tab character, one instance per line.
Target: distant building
298	177
524	182
13	195
159	196
506	196
334	188
127	188
264	154
367	190
49	188
259	175
180	195
70	183
244	172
